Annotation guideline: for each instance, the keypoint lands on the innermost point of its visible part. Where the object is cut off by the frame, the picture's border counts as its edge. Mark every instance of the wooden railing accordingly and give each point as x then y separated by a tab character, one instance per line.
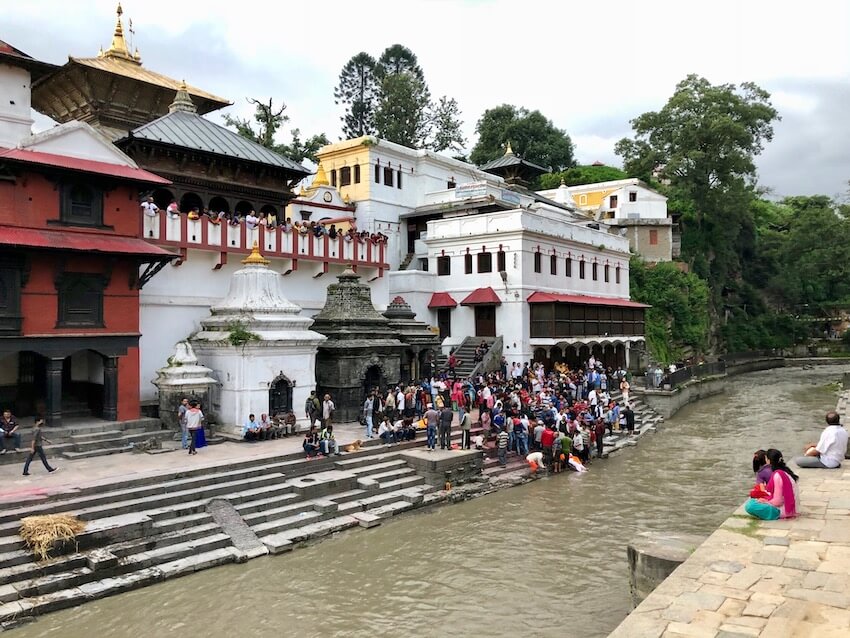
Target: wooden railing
184	233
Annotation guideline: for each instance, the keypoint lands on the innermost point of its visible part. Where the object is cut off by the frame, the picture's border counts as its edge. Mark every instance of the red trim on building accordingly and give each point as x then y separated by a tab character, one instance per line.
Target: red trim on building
442	300
482	297
84	242
549	297
308	204
82	165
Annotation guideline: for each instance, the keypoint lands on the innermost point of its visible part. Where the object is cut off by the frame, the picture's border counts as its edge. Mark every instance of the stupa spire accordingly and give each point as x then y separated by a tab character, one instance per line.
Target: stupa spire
119	48
182	101
255	258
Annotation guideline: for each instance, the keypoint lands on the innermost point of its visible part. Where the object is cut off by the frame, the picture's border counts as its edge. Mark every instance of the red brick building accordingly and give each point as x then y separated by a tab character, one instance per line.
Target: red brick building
71	267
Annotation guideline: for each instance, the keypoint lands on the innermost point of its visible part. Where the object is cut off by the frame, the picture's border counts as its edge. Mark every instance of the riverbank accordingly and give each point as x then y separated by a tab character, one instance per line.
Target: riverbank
762	578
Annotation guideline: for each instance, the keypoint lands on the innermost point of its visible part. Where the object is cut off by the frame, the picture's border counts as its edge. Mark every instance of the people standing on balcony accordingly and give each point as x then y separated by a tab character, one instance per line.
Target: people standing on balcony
173	210
151	215
251	220
194	214
332	232
271	220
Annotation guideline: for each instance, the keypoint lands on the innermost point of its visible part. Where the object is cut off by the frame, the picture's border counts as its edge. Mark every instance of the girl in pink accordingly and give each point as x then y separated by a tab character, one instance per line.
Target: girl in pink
781	501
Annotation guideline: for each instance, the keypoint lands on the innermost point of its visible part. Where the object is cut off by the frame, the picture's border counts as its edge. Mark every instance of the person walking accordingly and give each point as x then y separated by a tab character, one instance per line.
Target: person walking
38	439
831	448
465	431
194	423
312	407
432	418
446	417
181	419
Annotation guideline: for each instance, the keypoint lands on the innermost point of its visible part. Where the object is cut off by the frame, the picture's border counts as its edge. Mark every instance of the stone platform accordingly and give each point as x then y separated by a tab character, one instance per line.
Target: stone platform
786	578
439	467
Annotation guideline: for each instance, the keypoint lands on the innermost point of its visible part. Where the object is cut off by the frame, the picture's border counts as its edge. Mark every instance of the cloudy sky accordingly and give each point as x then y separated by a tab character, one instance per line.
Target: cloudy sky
590	66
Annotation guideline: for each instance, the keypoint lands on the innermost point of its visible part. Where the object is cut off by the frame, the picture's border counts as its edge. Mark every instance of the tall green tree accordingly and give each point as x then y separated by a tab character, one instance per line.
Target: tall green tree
402	117
358	90
703	144
446	126
264	129
530	133
397	59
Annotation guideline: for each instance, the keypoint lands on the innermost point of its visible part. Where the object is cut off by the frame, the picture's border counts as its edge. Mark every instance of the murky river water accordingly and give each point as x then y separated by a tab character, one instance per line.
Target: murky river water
546	559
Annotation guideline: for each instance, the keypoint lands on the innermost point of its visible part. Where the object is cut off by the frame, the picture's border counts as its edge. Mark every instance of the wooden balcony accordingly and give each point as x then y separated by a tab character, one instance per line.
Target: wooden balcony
183	234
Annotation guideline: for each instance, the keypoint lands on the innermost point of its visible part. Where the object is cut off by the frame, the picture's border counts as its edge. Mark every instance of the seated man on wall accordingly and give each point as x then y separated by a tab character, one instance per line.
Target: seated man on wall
328	442
830	450
251	430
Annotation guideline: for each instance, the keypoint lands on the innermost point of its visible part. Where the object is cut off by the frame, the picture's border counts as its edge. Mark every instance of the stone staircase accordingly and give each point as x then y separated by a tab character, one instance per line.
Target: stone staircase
149	529
84	437
466	353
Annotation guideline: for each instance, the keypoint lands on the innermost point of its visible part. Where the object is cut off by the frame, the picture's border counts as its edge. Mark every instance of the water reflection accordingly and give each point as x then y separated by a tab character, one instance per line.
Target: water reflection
546	559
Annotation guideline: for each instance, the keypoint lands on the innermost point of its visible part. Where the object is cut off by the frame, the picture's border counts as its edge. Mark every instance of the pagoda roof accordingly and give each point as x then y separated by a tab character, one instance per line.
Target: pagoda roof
205	101
191	131
510	160
15	57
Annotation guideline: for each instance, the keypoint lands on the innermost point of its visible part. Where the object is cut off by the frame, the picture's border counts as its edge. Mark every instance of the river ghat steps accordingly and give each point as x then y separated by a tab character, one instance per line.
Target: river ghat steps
145	531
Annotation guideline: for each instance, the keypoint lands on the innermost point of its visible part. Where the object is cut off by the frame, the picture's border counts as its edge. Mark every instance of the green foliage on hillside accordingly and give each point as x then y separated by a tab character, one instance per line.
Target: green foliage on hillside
679	319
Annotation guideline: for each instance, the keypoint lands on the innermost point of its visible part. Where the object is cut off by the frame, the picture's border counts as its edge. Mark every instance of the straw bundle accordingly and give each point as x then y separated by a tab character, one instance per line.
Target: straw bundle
41	533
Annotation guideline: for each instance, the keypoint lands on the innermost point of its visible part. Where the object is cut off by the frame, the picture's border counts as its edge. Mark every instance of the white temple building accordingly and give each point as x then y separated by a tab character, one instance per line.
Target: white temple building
259	347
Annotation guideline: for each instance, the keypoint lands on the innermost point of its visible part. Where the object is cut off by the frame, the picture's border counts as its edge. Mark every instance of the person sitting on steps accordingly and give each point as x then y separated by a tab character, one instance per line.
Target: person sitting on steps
831	448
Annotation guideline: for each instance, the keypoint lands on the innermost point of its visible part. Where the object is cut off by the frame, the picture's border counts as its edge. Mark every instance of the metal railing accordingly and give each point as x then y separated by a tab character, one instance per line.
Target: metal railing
670	380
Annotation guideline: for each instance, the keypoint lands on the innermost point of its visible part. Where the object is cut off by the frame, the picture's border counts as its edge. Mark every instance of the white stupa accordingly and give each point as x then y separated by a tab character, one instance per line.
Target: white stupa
259	346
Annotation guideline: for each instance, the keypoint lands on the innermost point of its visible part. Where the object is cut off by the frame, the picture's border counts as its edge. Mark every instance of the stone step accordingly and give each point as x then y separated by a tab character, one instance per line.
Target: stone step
96	436
121	440
287	522
375	468
73	455
404	482
351	464
182	522
395	473
263	504
148	489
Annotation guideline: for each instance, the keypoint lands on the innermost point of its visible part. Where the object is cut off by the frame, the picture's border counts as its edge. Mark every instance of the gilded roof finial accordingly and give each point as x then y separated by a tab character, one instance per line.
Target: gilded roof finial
508	149
118	48
255	258
321	178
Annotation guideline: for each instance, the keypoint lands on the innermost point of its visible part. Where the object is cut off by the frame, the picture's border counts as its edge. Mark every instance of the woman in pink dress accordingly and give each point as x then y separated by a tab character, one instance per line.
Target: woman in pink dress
781	500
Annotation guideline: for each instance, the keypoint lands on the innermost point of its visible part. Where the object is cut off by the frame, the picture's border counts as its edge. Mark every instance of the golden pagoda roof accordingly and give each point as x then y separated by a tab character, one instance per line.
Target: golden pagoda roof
321	178
255	258
117	59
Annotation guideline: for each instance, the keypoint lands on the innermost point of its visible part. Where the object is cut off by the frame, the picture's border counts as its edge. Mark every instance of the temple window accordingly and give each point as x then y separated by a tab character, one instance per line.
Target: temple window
82	205
607	273
377	173
357	173
444	265
467	264
388	176
538	262
581	269
553	264
345	176
501	261
398	179
80	300
594	269
568	267
485	262
333	178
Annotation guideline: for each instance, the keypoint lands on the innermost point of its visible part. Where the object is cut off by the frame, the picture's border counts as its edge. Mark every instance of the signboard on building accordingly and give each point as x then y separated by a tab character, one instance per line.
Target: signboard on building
470	189
510	197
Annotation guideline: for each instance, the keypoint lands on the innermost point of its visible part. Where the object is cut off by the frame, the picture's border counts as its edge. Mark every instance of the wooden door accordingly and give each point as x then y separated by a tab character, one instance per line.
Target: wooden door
485	321
444	322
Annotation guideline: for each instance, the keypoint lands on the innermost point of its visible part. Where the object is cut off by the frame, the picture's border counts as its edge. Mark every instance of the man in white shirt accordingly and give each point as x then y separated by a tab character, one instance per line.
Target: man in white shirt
251	220
150	211
399	401
830	449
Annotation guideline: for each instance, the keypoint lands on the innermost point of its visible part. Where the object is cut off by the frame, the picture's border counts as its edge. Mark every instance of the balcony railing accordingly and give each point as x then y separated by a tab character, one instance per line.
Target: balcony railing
201	234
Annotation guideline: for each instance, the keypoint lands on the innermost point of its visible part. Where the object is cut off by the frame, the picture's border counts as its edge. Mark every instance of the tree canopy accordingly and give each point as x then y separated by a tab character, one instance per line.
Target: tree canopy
584	174
389	97
358	90
263	130
531	135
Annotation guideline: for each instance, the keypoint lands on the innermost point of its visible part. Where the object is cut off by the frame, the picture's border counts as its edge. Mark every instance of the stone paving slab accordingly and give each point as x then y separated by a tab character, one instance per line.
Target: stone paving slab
767	579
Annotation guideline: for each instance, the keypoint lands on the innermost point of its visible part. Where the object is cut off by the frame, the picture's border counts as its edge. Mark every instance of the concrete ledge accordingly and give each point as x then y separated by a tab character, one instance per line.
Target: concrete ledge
668	402
367	520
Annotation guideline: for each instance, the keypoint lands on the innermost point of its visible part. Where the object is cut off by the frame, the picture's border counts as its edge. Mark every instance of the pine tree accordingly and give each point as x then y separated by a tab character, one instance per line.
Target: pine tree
358	90
445	126
402	117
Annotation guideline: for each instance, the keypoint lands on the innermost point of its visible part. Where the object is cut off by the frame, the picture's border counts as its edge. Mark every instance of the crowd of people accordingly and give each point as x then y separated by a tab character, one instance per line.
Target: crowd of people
251	219
562	413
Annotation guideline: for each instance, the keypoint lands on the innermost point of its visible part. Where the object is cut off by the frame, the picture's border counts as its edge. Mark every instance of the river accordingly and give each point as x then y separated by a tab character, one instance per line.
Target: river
544	559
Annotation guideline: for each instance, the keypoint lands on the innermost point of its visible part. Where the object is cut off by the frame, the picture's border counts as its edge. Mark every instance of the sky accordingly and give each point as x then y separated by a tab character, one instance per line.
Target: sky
590	67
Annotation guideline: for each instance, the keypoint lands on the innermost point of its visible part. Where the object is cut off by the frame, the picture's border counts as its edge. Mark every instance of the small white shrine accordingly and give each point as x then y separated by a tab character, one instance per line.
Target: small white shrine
258	346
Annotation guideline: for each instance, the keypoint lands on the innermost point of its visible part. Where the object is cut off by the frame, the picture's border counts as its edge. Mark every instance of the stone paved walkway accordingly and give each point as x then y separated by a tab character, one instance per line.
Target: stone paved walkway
775	579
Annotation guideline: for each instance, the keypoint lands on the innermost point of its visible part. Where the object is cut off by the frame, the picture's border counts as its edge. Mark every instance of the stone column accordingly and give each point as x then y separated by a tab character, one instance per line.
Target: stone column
628	349
54	392
110	388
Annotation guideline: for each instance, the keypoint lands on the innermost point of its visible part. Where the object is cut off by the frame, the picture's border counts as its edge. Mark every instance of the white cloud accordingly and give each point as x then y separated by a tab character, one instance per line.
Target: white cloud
589	67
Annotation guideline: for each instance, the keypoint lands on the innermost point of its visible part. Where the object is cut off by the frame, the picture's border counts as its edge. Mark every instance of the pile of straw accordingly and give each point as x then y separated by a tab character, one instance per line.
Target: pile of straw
41	533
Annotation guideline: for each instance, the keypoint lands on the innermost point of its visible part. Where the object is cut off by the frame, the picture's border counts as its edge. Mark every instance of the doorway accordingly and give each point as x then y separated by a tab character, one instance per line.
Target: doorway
444	322
374	378
280	396
485	321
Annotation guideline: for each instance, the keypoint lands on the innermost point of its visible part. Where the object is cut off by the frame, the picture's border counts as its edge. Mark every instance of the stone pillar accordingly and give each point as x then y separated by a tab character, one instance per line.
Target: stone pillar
110	389
653	556
628	350
54	392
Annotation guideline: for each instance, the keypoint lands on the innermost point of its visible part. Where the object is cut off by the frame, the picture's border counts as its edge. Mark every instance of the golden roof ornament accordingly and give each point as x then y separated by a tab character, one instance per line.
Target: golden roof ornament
255	258
118	48
508	149
321	178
